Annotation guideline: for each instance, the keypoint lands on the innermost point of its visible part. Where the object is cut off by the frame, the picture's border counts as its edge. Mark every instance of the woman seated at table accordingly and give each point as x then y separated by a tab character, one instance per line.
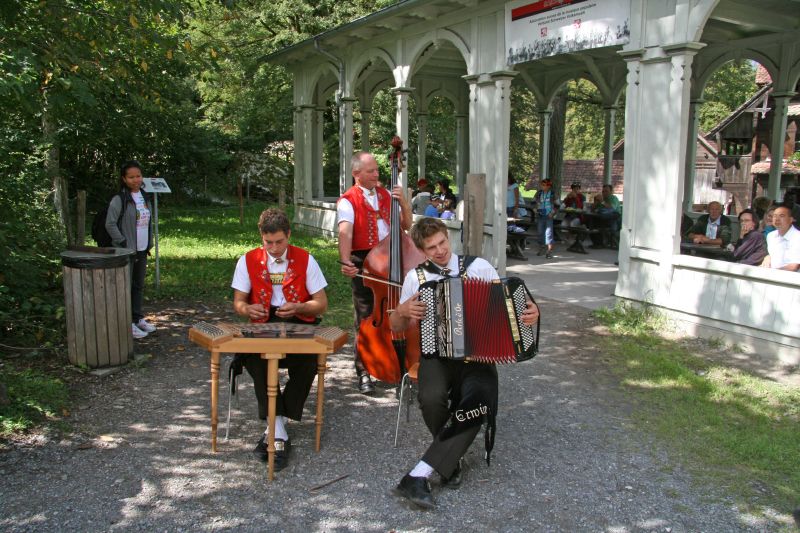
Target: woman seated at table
751	248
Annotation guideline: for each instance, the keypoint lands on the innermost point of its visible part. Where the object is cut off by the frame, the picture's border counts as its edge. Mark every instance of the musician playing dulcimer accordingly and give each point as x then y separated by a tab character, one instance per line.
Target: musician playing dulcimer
277	282
455	396
363	219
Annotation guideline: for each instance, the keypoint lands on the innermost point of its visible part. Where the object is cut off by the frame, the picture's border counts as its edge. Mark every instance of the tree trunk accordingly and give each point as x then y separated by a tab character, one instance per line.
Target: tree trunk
556	151
53	171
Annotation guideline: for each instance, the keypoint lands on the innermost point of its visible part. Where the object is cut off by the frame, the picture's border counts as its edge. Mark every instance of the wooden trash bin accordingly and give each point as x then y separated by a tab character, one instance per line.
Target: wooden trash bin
97	300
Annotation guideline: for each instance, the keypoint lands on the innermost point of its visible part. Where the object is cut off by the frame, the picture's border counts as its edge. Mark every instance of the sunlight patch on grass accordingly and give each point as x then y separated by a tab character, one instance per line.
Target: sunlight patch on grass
727	426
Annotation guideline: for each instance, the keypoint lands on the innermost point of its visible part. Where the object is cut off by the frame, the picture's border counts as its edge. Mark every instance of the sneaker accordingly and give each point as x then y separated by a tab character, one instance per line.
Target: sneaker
548	255
145	326
137	333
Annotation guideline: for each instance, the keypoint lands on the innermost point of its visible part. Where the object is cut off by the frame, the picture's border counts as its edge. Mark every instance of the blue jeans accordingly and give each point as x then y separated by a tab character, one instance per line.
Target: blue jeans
544	224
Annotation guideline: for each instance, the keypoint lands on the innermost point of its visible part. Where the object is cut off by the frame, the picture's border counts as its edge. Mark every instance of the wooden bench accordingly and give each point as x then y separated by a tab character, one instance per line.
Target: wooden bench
580	233
516	243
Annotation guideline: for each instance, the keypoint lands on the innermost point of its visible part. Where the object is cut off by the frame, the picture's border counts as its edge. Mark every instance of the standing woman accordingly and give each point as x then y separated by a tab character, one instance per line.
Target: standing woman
135	231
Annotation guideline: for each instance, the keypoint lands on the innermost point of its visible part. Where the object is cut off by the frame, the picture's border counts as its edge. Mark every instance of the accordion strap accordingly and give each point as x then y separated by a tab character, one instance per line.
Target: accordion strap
464	261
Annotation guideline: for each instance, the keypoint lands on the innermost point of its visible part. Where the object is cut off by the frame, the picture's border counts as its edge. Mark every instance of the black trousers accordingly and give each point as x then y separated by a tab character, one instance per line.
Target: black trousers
302	369
363	302
290	401
452	391
138	271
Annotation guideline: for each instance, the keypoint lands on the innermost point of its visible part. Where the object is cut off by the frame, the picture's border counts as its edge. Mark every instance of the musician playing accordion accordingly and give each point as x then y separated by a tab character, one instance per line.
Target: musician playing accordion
455	396
278	282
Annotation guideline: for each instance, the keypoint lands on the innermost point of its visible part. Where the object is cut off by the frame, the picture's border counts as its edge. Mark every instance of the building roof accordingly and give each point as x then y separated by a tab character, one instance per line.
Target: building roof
739	110
762	75
762	167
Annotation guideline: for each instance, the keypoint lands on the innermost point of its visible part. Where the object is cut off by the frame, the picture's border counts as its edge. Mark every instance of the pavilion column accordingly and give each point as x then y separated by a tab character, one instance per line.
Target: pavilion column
544	142
345	142
655	165
691	154
462	151
610	113
500	137
779	121
402	94
366	117
303	179
317	149
422	146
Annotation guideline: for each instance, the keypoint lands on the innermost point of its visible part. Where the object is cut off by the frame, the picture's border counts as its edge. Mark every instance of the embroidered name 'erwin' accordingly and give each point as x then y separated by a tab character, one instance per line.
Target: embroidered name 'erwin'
463	416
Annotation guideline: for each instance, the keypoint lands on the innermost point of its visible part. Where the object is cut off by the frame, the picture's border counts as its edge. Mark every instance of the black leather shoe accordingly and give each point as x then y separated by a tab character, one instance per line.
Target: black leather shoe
454	481
417	490
365	385
260	450
282	449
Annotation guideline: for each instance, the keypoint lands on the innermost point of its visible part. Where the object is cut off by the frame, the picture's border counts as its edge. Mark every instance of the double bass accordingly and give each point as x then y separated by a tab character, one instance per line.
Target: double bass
387	355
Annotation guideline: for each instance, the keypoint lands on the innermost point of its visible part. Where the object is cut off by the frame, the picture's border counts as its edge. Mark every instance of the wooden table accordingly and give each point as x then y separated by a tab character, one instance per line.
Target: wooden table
711	251
222	338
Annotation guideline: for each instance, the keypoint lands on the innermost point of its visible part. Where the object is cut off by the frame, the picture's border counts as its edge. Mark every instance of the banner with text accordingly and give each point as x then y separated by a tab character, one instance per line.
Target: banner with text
550	27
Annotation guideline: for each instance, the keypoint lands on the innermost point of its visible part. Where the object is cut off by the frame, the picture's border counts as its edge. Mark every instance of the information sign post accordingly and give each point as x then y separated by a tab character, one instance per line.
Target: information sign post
156	186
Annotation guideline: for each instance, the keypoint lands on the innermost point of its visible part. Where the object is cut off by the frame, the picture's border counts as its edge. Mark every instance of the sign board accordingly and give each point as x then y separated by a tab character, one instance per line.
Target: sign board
155	185
550	27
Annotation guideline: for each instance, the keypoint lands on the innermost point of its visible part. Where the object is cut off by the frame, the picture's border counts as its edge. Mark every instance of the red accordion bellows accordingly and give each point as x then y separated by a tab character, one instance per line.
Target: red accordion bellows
477	320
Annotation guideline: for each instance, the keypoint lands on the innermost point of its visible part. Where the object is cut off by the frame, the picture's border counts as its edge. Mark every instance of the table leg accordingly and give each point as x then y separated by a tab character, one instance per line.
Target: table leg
214	397
321	362
272	394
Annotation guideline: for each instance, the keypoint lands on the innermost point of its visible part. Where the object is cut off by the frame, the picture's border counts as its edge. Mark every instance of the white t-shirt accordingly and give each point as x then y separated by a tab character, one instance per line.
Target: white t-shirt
479	269
315	281
345	212
783	249
142	221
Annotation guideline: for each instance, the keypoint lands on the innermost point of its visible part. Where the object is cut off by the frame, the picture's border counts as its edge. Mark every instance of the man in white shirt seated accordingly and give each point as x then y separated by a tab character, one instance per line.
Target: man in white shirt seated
783	245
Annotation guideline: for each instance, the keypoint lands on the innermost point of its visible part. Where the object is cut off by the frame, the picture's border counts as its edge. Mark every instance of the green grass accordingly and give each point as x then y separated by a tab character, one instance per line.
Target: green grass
724	424
33	397
199	248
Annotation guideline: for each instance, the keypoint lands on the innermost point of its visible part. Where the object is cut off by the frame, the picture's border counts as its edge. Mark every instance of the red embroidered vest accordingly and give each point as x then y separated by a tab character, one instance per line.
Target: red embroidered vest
294	280
365	228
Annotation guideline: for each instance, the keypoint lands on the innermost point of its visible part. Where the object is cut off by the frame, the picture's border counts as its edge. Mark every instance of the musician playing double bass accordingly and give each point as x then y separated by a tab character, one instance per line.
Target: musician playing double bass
455	396
277	282
363	219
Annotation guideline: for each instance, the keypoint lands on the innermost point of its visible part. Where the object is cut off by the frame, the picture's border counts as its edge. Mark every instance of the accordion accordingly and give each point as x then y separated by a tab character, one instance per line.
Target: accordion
477	320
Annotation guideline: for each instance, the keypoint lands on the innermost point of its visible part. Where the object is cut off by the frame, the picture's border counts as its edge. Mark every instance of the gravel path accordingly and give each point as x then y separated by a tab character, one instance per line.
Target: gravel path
566	457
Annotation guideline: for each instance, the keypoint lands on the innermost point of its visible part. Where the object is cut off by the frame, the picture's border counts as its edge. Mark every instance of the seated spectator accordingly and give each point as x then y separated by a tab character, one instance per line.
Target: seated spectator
712	228
792	200
432	210
514	202
574	200
766	224
444	192
751	248
422	199
448	212
760	205
783	244
609	214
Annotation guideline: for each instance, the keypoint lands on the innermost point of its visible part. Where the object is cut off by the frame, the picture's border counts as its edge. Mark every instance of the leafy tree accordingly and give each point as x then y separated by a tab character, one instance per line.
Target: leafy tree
728	88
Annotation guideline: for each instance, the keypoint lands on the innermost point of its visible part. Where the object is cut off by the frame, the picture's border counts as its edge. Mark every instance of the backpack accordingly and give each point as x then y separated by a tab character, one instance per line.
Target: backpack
99	232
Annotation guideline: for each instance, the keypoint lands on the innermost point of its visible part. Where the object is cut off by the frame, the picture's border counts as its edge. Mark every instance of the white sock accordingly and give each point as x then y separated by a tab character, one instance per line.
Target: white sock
422	469
280	428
